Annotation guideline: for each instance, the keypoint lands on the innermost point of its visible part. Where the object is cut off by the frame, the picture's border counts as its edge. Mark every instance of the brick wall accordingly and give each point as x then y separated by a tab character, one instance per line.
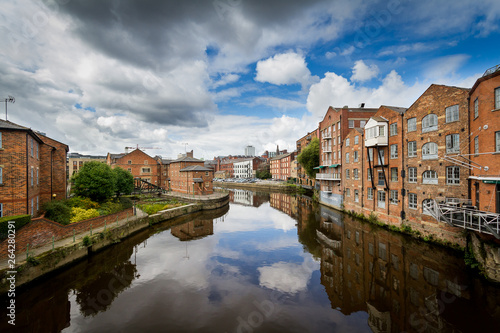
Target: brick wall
41	230
141	165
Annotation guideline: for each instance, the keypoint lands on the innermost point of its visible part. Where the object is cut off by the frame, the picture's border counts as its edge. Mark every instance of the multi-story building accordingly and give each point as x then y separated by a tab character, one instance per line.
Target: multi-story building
76	161
139	164
332	131
249	151
484	145
302	177
189	175
246	167
281	166
435	125
32	170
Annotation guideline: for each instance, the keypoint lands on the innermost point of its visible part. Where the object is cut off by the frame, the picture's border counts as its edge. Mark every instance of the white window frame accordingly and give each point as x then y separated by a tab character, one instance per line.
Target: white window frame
452	113
393	129
497	98
347	174
369	195
351	123
355	156
411	124
347	157
356	139
412	149
430	151
430	177
393	197
356	196
412	175
362	123
453	143
451	176
476	108
355	174
497	142
347	192
476	145
347	142
392	178
381	195
394	151
429	123
1	175
412	201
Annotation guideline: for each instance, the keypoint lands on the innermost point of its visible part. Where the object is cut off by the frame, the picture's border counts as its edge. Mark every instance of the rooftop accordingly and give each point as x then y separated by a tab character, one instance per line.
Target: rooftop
196	168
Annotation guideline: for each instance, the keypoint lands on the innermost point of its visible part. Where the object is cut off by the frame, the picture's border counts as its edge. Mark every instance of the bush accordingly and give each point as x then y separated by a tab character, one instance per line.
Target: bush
20	221
110	207
125	202
95	180
81	202
80	214
155	208
57	211
87	241
124	181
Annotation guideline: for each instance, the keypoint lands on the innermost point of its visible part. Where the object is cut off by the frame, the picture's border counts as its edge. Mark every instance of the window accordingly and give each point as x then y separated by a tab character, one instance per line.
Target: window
355	173
370	154
37	145
412	124
412	175
381	199
476	108
497	141
429	151
381	131
452	113
338	140
362	123
356	196
381	180
334	155
347	157
453	143
356	139
355	156
381	158
347	174
129	162
497	98
1	209
369	174
412	149
146	170
370	193
476	145
129	170
1	140
429	123
452	175
394	197
393	129
426	204
348	192
37	204
412	200
347	142
37	176
394	174
333	128
32	176
31	147
145	162
430	177
1	175
351	123
394	151
334	143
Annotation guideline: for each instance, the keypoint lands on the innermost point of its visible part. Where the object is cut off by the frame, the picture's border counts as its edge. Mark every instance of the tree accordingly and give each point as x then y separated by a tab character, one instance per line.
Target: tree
124	181
309	158
95	180
263	171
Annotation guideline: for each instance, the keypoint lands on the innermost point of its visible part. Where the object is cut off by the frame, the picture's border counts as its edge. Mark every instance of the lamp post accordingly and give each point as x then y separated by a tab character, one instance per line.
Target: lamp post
9	99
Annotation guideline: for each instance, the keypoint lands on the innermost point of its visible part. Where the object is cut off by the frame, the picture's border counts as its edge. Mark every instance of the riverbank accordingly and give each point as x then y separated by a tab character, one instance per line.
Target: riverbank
41	261
266	185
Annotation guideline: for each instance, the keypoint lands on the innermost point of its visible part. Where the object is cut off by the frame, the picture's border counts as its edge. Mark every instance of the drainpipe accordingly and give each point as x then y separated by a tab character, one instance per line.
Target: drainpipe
403	171
362	172
27	172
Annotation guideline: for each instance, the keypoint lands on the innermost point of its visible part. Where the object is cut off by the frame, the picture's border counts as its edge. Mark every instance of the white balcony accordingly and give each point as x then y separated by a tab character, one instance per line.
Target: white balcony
328	176
327	136
376	132
327	149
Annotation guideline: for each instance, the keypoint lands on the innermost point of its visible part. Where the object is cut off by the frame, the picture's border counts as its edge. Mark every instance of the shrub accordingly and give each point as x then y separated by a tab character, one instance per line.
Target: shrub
80	214
95	180
87	241
126	202
20	221
110	207
57	211
81	202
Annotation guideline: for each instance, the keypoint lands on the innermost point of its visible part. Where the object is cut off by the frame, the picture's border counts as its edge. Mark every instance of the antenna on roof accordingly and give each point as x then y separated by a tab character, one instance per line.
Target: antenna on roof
9	99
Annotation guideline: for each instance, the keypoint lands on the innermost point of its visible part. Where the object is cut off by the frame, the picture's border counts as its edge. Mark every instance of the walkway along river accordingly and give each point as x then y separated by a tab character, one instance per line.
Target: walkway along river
271	262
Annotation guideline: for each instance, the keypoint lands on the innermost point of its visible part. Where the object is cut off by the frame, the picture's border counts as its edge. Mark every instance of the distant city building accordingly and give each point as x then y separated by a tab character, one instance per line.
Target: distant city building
249	151
32	170
76	161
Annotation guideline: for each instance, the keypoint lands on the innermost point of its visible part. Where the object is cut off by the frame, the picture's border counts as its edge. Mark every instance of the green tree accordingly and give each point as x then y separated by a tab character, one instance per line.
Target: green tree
309	158
95	180
124	181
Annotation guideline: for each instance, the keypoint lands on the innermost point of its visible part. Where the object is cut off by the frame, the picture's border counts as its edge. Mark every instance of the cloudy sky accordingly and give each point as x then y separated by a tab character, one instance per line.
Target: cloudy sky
215	76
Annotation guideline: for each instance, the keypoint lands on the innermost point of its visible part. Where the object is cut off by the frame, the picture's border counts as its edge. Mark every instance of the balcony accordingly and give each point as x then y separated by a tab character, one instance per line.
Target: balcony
327	149
327	176
376	132
327	136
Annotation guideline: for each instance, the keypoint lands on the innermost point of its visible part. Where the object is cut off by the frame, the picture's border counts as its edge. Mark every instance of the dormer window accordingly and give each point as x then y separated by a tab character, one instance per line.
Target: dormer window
429	123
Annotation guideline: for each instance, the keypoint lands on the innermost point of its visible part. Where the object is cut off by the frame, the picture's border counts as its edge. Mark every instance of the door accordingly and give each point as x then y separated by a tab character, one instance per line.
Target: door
498	198
477	195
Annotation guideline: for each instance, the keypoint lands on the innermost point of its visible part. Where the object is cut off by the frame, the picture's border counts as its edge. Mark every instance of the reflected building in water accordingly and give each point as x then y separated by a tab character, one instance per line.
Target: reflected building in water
248	198
195	229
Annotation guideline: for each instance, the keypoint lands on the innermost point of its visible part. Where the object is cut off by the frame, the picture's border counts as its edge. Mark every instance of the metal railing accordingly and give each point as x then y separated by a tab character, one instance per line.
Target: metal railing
328	176
491	70
465	216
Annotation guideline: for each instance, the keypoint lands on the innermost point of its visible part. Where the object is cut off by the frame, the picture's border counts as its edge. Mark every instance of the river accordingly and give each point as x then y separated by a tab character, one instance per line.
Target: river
270	262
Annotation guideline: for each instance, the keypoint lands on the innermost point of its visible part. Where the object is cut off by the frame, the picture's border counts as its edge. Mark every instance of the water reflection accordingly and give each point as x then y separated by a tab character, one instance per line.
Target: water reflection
271	263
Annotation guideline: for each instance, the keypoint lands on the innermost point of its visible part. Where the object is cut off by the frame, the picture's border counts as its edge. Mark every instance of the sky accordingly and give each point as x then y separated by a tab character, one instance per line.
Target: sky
216	76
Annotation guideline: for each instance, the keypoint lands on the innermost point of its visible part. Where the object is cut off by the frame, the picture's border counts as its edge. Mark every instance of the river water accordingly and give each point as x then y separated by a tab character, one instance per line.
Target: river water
269	262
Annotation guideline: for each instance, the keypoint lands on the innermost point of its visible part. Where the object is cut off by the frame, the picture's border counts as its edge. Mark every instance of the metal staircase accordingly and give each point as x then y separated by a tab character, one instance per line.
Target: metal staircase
463	215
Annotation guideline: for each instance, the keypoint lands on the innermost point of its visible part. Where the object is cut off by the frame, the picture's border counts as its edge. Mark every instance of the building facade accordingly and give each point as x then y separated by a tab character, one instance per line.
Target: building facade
281	165
76	161
302	177
189	175
484	145
32	170
139	164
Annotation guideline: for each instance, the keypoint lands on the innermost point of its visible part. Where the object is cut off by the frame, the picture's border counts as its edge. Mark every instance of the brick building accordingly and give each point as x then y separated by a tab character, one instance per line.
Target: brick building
333	129
484	146
32	170
435	125
353	181
281	166
76	161
139	164
302	177
188	174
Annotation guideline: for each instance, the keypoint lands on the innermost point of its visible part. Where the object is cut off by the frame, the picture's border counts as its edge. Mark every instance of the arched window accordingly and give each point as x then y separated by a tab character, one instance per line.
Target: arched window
427	206
430	151
430	177
429	123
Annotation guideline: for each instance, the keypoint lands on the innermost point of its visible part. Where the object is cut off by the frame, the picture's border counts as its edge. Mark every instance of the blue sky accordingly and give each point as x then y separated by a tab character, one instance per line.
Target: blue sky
219	75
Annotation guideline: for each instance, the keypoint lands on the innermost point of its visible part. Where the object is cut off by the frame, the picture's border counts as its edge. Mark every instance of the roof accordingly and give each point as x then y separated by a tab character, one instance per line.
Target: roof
359	129
187	159
165	161
489	74
116	156
396	108
378	118
196	168
279	157
5	124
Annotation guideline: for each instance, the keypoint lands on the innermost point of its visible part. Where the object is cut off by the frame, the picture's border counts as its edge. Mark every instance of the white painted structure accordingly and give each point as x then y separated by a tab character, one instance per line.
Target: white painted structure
376	132
243	169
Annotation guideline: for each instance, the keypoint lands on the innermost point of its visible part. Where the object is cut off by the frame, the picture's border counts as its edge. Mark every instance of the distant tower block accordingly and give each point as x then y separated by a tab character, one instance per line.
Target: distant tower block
249	151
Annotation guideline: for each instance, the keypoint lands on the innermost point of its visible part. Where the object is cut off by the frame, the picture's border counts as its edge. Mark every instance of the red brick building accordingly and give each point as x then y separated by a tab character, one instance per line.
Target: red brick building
484	145
333	129
302	177
139	164
281	166
188	174
32	170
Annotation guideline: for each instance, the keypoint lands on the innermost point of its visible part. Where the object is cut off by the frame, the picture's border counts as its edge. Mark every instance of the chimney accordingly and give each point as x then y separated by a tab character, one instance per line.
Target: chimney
362	105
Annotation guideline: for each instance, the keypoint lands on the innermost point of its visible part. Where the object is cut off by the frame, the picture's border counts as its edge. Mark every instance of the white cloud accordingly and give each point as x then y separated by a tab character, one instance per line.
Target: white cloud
285	68
287	277
361	72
